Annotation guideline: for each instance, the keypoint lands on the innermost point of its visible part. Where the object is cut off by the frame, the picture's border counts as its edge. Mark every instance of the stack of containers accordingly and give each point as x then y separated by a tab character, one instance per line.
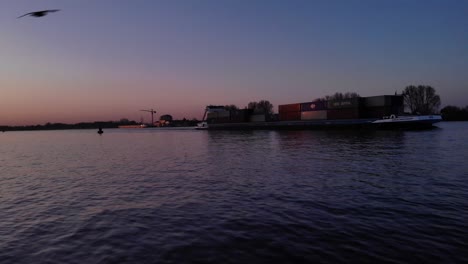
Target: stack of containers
398	104
344	109
258	115
222	116
240	116
289	112
385	105
314	110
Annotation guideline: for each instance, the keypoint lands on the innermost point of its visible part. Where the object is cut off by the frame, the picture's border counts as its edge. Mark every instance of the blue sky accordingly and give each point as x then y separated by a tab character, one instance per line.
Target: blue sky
105	60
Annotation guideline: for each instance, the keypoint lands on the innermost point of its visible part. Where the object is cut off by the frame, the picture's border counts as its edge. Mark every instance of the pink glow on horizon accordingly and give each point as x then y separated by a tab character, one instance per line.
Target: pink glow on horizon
87	64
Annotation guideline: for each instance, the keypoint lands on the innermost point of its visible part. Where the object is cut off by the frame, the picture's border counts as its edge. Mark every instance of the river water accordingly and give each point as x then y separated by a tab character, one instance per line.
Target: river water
187	196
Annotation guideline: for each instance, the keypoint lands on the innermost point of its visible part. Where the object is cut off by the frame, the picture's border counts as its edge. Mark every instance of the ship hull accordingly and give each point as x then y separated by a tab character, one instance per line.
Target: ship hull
410	122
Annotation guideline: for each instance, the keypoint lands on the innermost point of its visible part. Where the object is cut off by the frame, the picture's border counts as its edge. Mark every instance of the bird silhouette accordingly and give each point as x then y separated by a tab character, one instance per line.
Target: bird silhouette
40	13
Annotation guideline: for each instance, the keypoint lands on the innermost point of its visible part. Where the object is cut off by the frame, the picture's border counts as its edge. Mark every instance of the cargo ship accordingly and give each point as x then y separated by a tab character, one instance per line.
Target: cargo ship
376	112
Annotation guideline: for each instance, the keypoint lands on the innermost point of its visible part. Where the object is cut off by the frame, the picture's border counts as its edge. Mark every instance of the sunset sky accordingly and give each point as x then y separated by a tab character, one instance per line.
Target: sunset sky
107	59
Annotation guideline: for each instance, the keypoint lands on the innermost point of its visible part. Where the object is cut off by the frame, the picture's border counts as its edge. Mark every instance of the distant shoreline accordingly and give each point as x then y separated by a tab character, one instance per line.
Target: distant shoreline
115	124
89	125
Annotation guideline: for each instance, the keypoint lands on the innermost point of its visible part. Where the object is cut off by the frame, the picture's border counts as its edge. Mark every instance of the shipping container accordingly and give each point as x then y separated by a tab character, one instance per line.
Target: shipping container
376	112
289	116
224	114
238	119
272	118
345	103
314	106
350	113
258	111
210	120
211	115
257	118
383	100
241	112
219	114
314	115
289	108
380	112
220	120
239	116
397	100
377	101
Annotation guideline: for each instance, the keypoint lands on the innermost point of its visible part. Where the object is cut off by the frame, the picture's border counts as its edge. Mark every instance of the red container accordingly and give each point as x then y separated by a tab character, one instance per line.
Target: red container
350	113
289	108
314	115
289	116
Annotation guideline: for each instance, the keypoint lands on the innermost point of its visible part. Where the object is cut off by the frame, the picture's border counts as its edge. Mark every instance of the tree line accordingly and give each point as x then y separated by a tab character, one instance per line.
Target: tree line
62	126
260	107
93	125
454	113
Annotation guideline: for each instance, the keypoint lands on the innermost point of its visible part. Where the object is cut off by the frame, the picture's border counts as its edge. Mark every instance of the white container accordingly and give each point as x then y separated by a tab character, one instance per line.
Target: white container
257	118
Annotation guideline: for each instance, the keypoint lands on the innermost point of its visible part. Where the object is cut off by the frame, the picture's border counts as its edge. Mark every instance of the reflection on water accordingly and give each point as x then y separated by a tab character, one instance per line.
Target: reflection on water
184	196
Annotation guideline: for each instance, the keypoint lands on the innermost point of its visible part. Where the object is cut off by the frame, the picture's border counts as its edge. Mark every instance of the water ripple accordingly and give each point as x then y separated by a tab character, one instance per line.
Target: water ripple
182	196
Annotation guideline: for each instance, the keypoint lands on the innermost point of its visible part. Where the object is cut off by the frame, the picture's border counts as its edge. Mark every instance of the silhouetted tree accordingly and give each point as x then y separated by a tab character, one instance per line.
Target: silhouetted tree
166	118
338	96
262	106
252	105
124	121
266	106
421	99
231	107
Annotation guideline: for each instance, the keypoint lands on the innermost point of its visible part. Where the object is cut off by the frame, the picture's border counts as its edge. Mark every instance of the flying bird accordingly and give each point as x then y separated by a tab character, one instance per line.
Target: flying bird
40	13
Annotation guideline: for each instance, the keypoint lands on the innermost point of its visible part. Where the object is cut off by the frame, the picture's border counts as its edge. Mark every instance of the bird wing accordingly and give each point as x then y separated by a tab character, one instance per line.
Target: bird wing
25	14
43	11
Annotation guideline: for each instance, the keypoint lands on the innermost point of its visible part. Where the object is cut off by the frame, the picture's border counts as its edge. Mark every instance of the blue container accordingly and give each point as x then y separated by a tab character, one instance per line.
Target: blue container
314	106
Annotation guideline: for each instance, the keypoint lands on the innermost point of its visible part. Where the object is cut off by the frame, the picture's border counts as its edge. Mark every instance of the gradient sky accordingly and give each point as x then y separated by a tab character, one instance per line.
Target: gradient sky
107	59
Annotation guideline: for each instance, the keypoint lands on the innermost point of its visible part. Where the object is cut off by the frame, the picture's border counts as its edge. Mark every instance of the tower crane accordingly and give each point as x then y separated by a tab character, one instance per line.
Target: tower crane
152	113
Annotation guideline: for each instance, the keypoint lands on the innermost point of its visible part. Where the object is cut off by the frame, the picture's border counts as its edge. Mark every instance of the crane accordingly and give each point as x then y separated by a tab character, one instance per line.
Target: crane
152	113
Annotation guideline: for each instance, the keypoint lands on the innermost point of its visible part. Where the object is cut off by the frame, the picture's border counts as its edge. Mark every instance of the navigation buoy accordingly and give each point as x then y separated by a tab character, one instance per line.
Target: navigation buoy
100	131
